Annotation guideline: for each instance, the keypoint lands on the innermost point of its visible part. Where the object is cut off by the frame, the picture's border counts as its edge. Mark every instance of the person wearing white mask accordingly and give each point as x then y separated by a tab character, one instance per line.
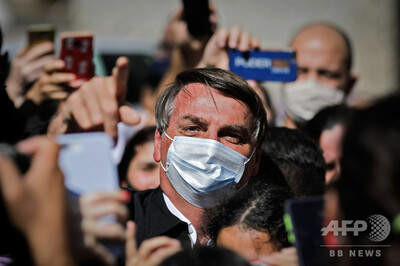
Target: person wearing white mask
324	59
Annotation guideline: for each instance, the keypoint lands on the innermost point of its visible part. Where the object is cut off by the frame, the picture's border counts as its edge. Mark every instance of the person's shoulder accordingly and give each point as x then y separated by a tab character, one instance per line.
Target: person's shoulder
139	197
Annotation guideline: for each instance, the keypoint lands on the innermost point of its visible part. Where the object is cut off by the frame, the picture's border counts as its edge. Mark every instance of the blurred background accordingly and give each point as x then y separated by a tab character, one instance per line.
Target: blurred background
135	27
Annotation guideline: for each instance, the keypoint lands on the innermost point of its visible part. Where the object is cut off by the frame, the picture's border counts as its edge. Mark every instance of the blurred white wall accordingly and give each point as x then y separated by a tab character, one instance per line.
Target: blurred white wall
138	24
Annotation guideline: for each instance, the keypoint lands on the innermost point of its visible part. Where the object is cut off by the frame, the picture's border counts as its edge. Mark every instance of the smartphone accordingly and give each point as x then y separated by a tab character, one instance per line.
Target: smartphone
303	221
271	65
197	16
77	53
85	159
38	33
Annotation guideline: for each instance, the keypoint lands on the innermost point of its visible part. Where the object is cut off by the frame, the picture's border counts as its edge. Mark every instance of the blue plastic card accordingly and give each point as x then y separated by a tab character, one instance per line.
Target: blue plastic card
264	65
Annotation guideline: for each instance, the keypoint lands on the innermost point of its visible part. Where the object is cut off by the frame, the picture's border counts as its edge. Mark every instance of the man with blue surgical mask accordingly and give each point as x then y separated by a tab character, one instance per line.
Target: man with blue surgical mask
324	59
209	126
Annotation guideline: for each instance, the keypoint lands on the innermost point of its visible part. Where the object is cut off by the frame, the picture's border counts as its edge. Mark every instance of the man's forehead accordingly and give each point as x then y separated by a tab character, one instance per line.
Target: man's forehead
318	41
203	94
198	101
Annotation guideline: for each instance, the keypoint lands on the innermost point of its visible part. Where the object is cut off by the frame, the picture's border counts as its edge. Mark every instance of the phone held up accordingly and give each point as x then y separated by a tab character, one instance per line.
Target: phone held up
39	33
77	53
268	65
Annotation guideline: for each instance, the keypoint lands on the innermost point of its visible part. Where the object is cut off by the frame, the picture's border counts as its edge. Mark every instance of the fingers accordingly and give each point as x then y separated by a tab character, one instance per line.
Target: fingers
54	65
100	204
87	200
98	209
161	254
120	76
96	104
32	70
155	250
109	109
128	115
92	101
108	208
103	229
44	154
286	256
130	246
10	180
76	110
38	51
221	37
234	35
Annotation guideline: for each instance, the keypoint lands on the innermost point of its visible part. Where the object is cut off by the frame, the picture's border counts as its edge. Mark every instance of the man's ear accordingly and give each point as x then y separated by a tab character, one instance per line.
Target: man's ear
157	146
350	85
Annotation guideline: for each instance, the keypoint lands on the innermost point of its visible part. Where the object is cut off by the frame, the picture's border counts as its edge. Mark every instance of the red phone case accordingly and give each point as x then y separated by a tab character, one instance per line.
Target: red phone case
77	53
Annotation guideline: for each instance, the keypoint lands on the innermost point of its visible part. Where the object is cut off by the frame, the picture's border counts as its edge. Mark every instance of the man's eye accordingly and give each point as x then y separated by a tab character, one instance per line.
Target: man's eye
329	74
191	130
302	70
149	166
233	138
330	166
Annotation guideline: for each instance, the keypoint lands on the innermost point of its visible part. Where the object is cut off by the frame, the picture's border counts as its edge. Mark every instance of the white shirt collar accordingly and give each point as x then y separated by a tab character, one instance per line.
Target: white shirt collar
180	216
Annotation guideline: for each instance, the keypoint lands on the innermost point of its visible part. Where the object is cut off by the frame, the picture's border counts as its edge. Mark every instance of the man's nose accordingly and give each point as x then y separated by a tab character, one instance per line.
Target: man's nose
311	75
212	135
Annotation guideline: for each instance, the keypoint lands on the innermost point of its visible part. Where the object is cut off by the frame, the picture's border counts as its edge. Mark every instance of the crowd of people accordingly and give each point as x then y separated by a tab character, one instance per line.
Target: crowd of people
205	168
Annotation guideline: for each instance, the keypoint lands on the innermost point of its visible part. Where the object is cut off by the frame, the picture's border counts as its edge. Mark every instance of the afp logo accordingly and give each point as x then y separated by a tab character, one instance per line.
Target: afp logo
377	225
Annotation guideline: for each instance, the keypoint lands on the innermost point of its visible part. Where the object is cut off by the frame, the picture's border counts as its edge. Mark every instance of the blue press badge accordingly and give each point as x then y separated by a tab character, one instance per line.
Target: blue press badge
264	65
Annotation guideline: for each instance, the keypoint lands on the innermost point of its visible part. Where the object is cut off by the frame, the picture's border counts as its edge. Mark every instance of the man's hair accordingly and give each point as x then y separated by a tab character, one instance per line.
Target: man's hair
225	82
203	255
328	118
4	63
370	175
299	158
258	206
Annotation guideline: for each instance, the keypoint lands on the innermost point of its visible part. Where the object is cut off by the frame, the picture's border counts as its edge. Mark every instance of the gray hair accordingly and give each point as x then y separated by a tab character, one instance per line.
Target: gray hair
226	82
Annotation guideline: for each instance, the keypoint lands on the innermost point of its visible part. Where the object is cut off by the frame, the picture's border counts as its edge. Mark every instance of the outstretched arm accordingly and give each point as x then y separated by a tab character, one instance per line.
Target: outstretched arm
97	105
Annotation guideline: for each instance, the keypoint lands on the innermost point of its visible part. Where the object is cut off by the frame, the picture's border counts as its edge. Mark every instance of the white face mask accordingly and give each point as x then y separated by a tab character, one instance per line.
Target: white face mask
303	99
203	171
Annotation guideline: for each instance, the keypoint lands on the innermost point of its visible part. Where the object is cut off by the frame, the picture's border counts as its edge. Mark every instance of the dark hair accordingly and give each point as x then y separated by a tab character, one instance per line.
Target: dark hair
299	158
258	206
227	83
205	256
4	63
142	136
370	161
327	118
370	179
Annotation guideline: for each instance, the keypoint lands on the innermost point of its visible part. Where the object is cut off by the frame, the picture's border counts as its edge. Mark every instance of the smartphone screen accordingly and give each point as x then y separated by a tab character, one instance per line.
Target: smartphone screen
303	221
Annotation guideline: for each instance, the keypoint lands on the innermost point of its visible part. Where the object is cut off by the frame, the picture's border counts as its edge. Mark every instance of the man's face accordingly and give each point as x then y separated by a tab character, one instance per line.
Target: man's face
323	58
330	143
202	112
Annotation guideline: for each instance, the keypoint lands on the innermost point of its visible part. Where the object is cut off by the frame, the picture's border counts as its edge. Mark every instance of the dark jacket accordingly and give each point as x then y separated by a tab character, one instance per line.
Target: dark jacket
152	217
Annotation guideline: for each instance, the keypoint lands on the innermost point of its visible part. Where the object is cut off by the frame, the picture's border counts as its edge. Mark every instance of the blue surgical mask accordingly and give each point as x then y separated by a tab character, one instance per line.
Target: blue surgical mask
203	171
